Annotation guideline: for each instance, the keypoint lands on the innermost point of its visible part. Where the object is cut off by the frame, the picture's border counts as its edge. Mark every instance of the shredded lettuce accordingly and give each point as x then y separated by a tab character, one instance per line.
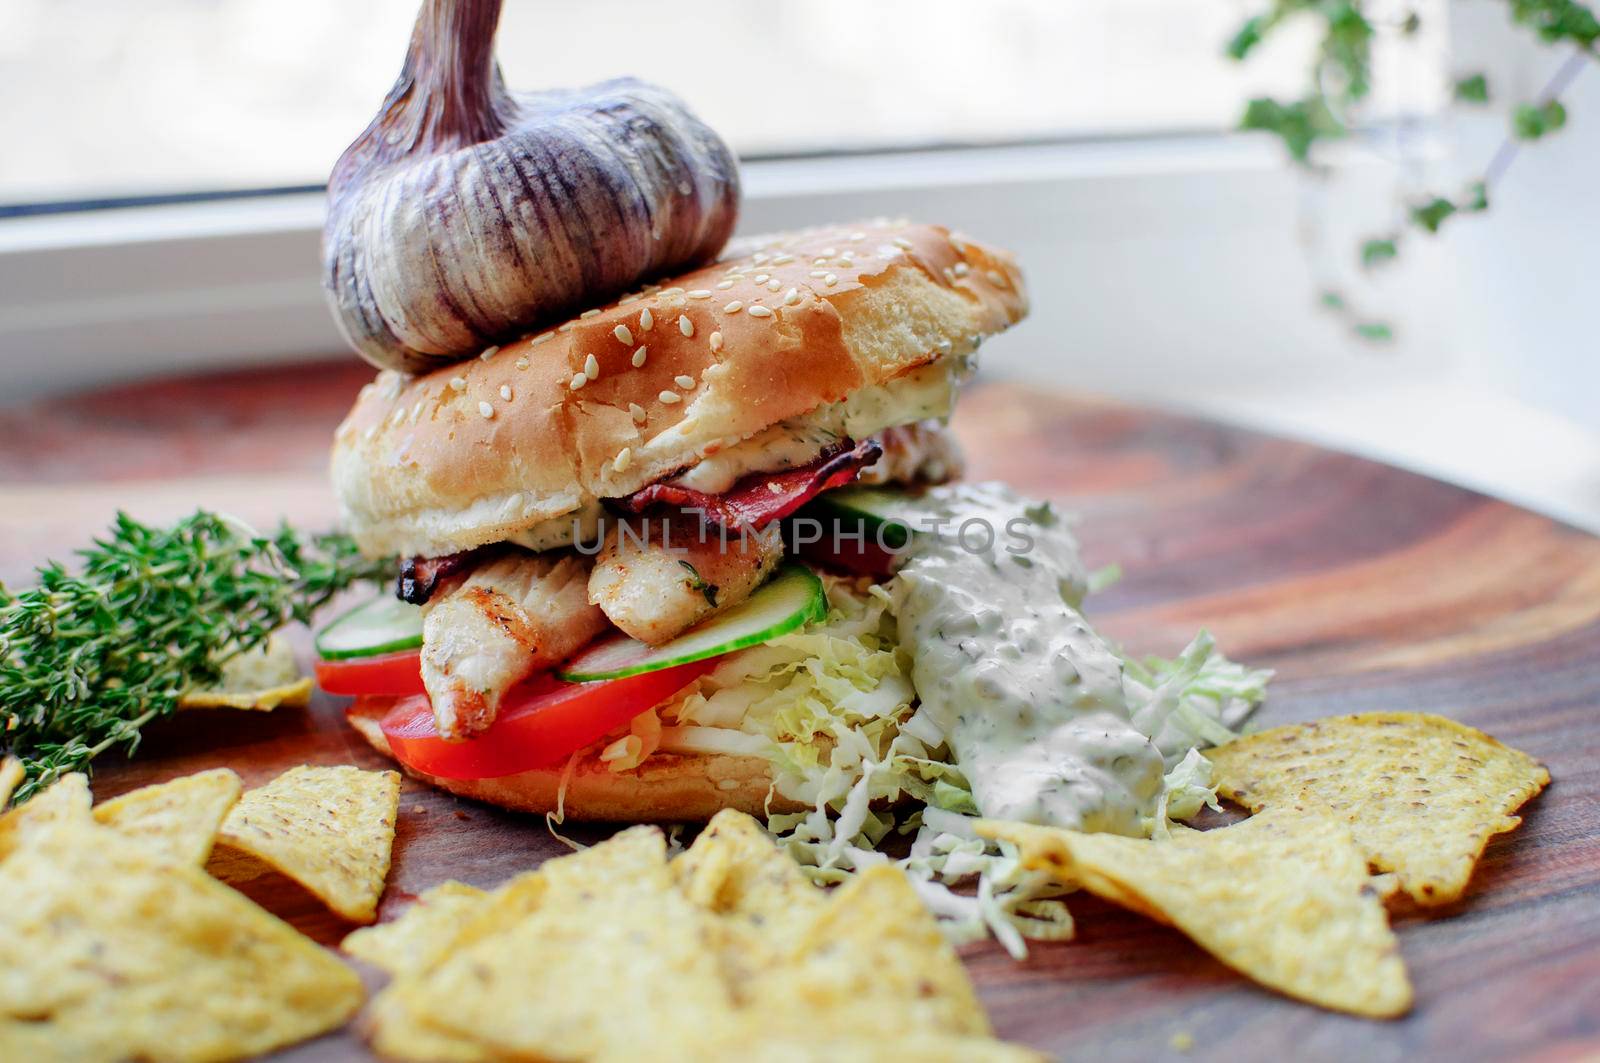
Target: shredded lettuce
834	710
1188	788
1193	700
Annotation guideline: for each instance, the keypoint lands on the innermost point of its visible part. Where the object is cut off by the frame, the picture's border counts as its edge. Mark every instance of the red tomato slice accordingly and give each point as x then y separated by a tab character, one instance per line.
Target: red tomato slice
398	674
540	724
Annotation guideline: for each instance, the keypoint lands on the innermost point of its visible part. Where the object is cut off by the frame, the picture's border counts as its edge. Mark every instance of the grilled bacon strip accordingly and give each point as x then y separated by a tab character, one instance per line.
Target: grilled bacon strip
761	498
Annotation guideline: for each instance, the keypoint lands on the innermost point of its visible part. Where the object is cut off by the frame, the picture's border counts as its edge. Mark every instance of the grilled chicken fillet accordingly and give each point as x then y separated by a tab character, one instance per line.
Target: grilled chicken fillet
654	585
516	615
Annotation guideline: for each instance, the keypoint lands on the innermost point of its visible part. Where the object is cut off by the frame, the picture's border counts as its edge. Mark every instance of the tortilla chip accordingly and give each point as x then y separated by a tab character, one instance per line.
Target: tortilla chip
765	903
178	819
613	962
113	952
873	959
1283	898
1421	794
331	829
423	932
259	679
11	775
64	800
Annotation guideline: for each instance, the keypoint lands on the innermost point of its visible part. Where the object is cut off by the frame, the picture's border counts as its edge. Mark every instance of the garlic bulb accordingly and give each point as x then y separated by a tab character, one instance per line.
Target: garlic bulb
465	215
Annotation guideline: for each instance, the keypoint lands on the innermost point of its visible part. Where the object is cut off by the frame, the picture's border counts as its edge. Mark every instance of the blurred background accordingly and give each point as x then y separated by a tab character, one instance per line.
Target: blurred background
160	199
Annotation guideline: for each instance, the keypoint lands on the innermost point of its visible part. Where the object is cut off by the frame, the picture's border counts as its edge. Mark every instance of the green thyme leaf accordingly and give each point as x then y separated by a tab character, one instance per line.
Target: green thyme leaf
87	658
697	582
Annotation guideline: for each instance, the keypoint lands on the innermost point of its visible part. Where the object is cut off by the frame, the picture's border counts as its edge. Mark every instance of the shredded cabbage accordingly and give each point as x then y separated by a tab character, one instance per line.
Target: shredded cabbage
833	708
1193	700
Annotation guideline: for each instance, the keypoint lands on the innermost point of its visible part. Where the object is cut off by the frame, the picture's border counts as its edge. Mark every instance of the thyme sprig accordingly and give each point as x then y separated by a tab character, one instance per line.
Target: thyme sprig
88	658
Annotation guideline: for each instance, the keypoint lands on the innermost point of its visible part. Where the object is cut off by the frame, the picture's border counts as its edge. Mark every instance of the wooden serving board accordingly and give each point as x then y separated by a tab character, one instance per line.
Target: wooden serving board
1365	587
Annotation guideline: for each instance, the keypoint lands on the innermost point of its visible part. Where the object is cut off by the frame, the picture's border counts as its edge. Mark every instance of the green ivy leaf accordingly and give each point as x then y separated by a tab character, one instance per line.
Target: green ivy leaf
1332	300
1249	35
1473	89
1532	121
1374	331
1431	215
1558	20
1299	124
1377	251
1477	199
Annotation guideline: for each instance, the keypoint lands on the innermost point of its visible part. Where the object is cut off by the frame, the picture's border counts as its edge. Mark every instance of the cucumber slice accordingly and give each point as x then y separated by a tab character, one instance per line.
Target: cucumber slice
383	625
884	514
789	600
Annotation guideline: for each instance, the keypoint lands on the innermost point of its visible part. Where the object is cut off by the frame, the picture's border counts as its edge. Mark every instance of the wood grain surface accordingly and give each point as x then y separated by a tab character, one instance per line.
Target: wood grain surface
1365	587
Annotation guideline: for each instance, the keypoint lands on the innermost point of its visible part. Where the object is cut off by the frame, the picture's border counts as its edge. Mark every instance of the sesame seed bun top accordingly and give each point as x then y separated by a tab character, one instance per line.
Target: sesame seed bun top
628	393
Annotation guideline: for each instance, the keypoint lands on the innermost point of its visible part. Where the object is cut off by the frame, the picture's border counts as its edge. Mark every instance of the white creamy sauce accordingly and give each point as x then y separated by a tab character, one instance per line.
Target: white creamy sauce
924	392
581	525
1029	698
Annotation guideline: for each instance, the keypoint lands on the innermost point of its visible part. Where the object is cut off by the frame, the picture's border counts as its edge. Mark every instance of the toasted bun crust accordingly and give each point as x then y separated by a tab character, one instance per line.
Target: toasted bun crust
476	452
666	788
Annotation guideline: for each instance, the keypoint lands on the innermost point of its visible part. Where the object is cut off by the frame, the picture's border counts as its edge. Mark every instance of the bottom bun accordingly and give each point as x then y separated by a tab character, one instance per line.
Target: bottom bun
666	788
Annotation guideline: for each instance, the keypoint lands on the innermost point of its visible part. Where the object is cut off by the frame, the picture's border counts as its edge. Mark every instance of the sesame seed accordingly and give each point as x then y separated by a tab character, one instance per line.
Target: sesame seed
639	356
670	397
759	257
829	252
683	381
819	272
733	307
716	341
489	353
631	297
961	269
522	363
902	243
820	260
505	392
485	409
564	328
685	326
458	383
624	335
791	297
646	320
578	380
587	314
700	293
996	278
591	367
759	311
774	284
830	280
650	289
540	338
623	459
762	278
724	285
783	260
636	412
